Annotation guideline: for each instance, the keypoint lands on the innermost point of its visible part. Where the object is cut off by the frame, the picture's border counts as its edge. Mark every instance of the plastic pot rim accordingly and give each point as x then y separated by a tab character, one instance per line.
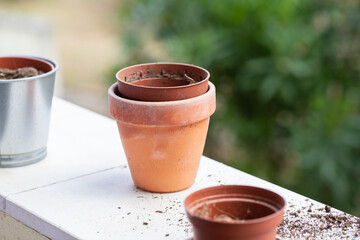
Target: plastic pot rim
162	63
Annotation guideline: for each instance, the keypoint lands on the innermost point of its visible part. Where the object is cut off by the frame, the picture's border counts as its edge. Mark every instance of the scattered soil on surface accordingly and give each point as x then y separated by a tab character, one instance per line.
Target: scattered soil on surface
303	222
24	72
309	223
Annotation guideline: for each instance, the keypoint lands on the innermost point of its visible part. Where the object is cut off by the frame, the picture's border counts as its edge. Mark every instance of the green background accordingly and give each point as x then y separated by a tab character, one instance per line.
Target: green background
287	78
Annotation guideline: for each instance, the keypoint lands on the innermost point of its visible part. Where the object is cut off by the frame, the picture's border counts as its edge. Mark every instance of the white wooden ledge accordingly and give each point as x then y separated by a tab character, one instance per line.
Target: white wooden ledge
83	189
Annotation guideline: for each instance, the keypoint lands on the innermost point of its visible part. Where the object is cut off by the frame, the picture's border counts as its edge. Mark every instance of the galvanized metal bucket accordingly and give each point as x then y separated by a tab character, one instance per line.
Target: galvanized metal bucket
25	106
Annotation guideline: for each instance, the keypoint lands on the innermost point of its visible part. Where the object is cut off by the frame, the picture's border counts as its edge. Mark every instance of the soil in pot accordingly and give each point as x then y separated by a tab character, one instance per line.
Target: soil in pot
23	72
162	74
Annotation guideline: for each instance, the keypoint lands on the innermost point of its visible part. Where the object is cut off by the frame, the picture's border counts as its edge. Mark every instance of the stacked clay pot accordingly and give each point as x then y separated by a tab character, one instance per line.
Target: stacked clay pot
162	112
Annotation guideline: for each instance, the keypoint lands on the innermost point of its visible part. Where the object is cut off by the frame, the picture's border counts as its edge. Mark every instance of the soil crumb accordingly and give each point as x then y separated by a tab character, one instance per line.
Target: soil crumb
308	222
24	72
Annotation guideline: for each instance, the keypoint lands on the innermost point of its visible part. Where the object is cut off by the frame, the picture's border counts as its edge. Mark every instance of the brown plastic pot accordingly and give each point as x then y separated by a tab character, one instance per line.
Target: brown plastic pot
162	81
163	141
234	212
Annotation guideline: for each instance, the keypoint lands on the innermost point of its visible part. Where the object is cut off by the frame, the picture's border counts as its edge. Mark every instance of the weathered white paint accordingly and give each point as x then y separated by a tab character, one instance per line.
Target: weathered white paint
80	143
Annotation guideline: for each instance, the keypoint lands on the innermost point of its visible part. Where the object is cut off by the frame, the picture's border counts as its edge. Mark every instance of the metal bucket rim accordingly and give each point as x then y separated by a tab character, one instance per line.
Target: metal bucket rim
52	62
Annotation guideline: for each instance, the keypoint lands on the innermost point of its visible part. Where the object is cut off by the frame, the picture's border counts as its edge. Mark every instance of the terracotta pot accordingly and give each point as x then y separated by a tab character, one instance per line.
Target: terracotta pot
163	141
234	212
162	81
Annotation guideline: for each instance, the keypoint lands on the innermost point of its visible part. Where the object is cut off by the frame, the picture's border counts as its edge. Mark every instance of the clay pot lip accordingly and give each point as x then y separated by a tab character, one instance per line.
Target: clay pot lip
167	113
207	94
53	64
240	222
163	63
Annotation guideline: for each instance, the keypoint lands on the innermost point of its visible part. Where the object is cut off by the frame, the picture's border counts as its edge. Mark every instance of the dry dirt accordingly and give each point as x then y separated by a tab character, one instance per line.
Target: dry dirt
24	72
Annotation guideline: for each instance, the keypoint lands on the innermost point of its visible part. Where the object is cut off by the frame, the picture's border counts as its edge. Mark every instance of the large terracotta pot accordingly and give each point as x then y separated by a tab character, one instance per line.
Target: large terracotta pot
232	212
162	81
163	141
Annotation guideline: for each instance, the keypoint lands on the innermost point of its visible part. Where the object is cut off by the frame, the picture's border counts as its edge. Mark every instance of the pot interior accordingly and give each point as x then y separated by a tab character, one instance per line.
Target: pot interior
175	71
161	82
20	62
233	209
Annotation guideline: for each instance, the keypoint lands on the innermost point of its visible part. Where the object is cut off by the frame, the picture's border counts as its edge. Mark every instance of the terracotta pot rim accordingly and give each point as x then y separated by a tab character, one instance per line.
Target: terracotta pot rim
53	64
240	222
163	63
112	94
168	113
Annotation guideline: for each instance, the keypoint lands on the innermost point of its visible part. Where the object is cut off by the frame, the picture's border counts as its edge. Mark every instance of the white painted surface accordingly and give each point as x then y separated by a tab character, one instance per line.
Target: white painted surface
84	190
107	205
80	142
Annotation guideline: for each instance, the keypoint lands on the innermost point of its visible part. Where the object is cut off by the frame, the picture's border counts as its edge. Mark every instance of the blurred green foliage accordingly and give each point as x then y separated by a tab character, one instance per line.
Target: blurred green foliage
287	77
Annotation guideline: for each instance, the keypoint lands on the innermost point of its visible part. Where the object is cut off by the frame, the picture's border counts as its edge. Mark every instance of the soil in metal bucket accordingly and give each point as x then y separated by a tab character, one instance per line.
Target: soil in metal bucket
24	72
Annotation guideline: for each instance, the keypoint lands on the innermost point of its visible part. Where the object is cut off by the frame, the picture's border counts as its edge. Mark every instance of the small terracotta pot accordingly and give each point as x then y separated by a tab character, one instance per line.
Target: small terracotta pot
163	141
162	81
234	212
